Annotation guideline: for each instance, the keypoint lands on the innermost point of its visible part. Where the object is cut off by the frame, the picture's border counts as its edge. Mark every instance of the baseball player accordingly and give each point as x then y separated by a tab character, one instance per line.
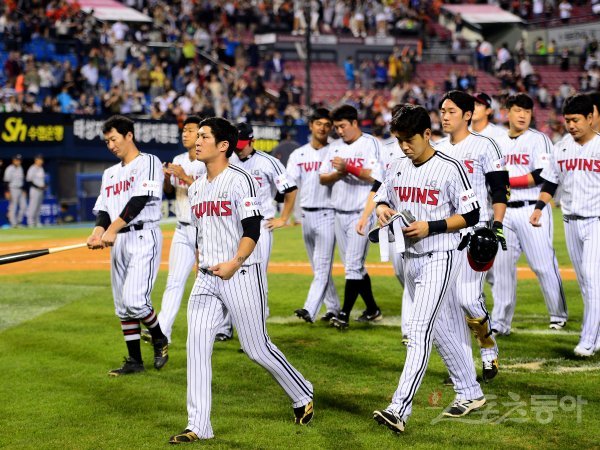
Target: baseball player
351	166
526	152
272	179
390	152
595	98
318	221
179	175
575	165
226	212
128	211
480	122
485	168
14	179
36	177
436	190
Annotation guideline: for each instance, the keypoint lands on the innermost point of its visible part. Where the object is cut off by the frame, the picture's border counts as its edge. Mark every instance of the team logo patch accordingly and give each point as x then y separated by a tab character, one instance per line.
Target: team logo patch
372	162
151	185
498	164
281	180
468	197
251	203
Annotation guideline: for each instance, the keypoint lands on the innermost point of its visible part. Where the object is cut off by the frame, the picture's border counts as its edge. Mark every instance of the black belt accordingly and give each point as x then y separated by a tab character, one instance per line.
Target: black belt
520	204
135	226
316	209
206	271
575	217
338	211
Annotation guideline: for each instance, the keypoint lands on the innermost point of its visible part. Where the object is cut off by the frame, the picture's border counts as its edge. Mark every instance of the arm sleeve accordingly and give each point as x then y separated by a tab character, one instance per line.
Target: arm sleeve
133	207
149	178
549	188
537	176
376	185
103	219
472	217
251	227
498	184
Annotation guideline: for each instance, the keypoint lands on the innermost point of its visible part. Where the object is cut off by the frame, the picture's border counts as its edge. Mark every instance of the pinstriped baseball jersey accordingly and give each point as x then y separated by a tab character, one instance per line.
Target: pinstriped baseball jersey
480	155
303	169
435	190
193	169
576	168
270	175
142	176
390	150
491	131
351	193
218	207
528	152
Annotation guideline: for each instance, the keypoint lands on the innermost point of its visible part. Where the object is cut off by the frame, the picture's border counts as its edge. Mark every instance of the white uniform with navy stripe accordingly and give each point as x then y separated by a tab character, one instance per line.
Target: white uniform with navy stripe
524	154
318	226
14	177
135	256
183	246
479	155
576	168
491	131
37	177
349	196
218	207
435	190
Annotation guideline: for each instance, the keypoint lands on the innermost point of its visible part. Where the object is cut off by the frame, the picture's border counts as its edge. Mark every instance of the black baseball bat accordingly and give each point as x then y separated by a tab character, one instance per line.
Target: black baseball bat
29	254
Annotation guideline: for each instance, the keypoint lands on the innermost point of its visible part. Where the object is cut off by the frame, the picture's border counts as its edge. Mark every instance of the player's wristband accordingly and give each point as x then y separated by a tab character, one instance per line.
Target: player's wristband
437	226
351	168
540	205
519	182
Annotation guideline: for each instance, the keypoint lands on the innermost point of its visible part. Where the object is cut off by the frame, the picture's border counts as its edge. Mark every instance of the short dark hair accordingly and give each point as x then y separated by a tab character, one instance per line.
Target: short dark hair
318	114
463	100
578	104
344	112
192	119
223	131
122	124
595	98
521	100
410	120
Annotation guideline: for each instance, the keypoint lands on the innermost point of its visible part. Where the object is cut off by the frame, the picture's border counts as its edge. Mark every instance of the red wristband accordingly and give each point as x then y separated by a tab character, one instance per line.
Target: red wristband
519	182
351	168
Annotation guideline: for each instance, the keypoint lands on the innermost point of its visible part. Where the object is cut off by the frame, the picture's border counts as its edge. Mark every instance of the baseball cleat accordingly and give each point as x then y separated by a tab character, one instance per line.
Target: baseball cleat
584	352
146	336
303	414
557	325
186	436
222	337
130	366
390	419
448	381
463	407
405	339
340	322
328	316
490	370
500	333
161	352
304	315
366	317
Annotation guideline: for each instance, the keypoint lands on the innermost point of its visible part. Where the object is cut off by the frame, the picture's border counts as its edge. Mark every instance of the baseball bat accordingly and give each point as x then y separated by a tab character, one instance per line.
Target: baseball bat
29	254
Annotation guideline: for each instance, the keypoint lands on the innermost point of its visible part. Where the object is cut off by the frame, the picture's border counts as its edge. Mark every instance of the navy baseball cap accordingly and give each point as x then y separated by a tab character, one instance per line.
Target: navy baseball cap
245	135
483	98
17	156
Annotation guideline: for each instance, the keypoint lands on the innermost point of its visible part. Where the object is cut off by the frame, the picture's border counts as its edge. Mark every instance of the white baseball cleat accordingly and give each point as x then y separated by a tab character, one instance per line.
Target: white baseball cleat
558	325
584	352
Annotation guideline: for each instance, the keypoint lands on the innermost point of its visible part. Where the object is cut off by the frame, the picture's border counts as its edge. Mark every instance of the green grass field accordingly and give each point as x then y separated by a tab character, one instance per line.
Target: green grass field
59	337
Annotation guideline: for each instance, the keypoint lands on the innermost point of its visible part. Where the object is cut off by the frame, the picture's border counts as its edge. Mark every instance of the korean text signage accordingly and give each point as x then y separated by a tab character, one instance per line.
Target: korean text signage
146	132
32	129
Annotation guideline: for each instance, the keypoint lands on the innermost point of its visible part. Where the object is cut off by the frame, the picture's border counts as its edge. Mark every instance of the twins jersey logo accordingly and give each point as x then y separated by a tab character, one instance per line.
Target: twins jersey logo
212	208
517	159
121	186
417	195
470	165
311	166
579	164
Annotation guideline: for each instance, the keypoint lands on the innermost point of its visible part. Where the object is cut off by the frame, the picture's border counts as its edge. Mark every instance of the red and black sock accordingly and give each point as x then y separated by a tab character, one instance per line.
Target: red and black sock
151	322
131	332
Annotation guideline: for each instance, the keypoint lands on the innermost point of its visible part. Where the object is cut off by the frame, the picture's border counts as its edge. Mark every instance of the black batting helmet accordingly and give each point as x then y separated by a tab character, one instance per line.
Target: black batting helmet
483	246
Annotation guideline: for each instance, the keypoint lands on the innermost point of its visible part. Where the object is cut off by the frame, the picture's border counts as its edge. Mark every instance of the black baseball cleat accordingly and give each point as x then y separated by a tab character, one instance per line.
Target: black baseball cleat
185	437
557	324
340	322
328	316
448	381
146	336
303	414
463	407
304	315
373	317
130	366
490	370
161	352
389	419
222	337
